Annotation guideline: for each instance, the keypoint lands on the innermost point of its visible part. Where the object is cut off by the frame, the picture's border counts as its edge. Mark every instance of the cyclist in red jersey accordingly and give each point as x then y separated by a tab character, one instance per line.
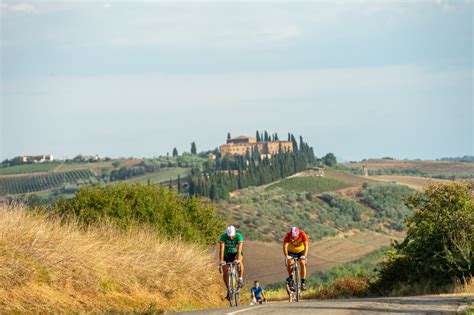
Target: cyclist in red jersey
296	244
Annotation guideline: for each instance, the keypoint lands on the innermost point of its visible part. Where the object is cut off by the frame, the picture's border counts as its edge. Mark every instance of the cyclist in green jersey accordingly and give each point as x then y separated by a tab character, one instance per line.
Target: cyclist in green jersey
230	249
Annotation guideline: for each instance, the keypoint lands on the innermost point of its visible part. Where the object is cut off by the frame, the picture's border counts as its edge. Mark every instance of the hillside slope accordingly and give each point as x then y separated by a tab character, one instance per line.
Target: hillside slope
46	266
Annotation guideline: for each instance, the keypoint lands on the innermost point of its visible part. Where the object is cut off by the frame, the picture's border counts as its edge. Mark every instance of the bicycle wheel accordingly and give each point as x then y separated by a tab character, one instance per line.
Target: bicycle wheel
297	281
230	289
237	298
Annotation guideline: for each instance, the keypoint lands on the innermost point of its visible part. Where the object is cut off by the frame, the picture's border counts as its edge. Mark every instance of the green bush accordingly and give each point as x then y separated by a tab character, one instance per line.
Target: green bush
439	247
172	215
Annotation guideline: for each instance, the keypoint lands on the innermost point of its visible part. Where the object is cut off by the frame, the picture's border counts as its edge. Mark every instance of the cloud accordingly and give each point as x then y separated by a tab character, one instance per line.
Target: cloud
18	7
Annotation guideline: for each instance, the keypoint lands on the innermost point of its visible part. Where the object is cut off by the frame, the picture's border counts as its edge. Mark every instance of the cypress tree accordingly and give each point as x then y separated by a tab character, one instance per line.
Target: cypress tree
175	152
258	137
212	192
228	136
193	148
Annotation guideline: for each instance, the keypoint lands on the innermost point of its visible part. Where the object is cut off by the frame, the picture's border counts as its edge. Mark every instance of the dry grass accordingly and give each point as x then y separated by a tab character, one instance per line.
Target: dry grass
46	266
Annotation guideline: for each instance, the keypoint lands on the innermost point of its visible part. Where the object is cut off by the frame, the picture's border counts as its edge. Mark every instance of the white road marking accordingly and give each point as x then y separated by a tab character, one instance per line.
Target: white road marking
245	309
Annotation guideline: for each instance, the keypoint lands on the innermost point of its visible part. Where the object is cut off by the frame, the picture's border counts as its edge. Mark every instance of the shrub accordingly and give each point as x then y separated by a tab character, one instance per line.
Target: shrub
172	215
438	248
347	287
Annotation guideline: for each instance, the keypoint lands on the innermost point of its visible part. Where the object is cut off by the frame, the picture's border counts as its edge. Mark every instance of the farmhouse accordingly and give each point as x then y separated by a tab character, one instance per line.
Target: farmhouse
242	144
36	158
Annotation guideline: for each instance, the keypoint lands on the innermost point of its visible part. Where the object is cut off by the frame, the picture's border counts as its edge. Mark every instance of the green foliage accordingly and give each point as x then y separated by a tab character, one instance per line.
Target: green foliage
329	159
346	208
311	184
25	184
439	247
388	201
171	214
28	168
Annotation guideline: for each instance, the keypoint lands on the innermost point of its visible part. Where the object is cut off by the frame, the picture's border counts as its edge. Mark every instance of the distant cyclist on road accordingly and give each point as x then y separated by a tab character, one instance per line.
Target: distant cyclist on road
230	249
296	244
258	293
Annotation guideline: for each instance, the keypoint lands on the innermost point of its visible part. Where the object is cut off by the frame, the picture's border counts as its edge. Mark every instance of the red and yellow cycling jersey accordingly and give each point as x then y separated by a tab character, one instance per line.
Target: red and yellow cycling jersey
297	245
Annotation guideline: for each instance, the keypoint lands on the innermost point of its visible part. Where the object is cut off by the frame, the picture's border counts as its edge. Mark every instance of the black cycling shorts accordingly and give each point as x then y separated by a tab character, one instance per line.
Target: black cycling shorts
231	257
298	255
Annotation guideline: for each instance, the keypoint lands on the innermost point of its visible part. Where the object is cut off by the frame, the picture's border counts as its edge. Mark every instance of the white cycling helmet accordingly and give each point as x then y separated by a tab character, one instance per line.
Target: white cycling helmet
230	231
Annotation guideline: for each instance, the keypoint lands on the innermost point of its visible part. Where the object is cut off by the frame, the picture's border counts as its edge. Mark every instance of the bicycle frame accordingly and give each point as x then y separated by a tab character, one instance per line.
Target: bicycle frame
233	289
297	279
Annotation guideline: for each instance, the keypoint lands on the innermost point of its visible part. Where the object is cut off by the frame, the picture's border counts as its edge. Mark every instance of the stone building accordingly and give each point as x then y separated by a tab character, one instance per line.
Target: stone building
241	145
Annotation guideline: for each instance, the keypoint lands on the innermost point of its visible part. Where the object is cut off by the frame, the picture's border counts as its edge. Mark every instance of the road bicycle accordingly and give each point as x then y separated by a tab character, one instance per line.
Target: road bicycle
233	288
295	291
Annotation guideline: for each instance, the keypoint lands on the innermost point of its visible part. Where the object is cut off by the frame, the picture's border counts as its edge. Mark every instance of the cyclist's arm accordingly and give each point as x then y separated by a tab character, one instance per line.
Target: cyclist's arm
306	248
285	249
239	251
221	251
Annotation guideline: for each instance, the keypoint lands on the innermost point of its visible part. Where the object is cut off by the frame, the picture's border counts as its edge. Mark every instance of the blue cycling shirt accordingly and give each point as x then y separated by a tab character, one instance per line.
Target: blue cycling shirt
257	291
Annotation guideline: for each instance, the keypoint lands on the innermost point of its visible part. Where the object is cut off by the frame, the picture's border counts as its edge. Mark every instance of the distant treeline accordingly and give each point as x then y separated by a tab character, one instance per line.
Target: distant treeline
228	173
465	158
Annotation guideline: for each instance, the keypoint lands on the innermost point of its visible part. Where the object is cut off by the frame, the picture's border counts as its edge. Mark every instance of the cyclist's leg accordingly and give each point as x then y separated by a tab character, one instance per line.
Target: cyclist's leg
290	266
225	274
241	267
303	269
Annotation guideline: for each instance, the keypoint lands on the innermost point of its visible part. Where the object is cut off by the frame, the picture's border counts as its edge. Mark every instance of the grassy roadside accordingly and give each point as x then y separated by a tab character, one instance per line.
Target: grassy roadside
46	266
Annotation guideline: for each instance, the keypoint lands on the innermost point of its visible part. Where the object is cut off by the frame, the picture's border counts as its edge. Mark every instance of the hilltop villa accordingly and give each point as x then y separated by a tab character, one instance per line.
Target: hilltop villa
241	145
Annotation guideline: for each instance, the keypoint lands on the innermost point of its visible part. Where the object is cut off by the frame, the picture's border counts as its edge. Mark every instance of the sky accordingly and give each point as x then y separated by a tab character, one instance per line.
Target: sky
362	79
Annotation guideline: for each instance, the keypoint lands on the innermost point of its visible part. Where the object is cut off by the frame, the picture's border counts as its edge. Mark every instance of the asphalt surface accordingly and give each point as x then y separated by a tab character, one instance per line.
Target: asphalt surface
402	305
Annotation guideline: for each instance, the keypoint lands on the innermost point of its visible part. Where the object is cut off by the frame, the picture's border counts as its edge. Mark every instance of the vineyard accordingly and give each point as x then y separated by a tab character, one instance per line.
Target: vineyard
26	184
28	168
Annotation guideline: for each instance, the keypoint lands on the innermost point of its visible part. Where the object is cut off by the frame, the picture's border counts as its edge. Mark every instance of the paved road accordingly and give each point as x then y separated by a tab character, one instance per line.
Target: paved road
403	305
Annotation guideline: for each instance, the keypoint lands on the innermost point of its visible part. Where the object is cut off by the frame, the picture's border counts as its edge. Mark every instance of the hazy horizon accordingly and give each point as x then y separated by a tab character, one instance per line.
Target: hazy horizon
359	79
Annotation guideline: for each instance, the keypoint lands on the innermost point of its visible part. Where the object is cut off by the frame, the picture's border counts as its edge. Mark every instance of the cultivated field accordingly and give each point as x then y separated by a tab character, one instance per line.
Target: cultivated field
350	179
32	183
161	176
428	167
414	182
311	184
95	167
29	168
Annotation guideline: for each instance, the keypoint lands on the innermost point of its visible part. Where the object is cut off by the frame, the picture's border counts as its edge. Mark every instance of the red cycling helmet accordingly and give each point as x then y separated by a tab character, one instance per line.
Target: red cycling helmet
295	232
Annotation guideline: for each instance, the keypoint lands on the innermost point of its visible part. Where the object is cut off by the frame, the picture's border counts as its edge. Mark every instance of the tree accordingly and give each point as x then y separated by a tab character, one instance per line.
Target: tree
193	148
175	152
258	137
438	248
213	192
228	136
329	159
